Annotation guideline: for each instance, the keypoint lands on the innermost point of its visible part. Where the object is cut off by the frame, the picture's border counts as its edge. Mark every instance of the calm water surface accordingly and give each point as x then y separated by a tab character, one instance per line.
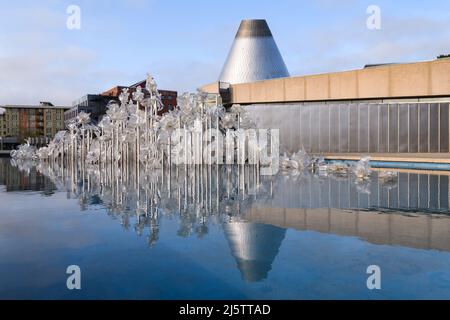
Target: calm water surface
221	234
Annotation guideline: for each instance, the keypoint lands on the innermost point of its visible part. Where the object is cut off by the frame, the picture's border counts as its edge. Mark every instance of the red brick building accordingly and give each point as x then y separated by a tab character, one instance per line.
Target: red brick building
168	97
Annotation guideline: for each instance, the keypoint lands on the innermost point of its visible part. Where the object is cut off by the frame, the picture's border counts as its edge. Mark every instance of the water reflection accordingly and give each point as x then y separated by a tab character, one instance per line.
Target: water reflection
25	178
409	192
254	246
253	212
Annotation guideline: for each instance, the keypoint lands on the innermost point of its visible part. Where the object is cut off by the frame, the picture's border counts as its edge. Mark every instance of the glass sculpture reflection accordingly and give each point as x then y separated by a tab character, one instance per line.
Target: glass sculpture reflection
129	164
254	212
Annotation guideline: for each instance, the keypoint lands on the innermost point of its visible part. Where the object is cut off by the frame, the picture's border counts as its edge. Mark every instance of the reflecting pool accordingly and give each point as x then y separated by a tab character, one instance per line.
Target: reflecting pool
221	233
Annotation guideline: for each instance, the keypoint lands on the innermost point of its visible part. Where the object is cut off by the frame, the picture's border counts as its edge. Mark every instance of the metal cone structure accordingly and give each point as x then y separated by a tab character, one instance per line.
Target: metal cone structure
254	55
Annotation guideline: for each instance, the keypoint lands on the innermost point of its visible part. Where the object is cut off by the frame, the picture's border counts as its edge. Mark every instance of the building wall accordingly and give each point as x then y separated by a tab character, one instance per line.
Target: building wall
11	122
93	104
422	79
168	97
211	88
70	114
35	121
114	92
169	100
96	104
2	126
347	111
383	127
53	121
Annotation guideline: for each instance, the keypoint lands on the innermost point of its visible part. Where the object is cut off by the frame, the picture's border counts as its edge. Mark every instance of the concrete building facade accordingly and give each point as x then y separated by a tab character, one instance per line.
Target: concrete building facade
410	80
387	109
390	108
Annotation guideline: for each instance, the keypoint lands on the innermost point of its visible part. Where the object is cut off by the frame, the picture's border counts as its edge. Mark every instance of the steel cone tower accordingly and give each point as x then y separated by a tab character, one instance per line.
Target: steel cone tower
254	55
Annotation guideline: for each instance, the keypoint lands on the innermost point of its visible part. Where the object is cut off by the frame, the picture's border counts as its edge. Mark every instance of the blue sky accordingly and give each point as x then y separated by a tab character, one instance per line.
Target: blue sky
185	43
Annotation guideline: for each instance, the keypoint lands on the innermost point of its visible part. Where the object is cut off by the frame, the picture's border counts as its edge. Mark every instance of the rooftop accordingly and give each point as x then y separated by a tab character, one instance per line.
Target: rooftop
416	80
40	106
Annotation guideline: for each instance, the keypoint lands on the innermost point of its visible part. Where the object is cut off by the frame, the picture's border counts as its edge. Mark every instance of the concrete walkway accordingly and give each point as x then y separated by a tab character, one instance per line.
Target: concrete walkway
393	157
409	161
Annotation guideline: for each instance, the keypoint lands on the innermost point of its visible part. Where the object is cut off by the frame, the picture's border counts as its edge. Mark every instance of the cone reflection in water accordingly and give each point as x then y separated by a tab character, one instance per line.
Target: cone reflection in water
254	246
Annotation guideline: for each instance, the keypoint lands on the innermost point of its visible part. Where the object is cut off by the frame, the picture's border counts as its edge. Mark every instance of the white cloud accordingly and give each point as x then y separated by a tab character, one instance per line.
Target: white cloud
58	75
39	64
41	60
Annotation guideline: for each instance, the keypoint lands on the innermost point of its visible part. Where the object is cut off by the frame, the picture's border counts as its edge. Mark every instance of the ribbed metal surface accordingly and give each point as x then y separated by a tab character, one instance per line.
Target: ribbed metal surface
362	128
254	55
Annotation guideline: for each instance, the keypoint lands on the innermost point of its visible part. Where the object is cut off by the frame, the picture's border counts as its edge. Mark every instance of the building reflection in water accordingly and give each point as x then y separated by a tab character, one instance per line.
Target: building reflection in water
253	211
254	246
409	192
24	178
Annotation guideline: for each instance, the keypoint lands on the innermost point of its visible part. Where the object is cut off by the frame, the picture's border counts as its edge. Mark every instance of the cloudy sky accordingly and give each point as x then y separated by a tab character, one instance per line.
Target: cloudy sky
185	43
